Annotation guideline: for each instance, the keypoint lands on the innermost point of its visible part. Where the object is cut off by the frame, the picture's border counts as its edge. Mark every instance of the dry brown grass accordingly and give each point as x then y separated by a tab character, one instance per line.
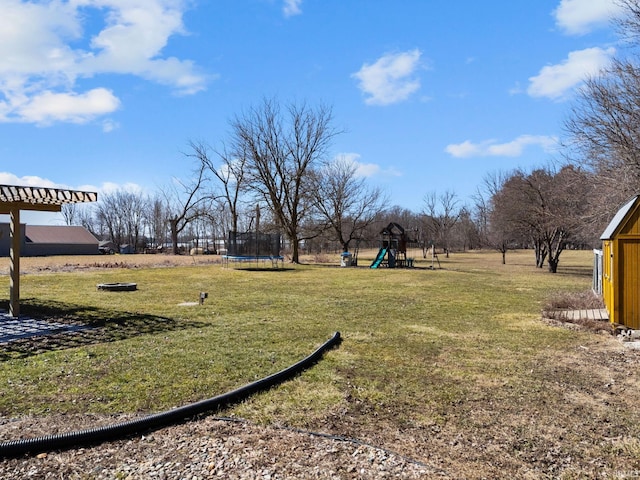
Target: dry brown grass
574	301
61	263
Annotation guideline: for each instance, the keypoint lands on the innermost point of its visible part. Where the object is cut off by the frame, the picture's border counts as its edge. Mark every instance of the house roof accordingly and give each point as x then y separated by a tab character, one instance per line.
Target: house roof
618	219
58	234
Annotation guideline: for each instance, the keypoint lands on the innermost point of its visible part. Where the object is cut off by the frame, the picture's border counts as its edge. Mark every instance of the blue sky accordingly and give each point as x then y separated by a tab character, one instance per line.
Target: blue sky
432	96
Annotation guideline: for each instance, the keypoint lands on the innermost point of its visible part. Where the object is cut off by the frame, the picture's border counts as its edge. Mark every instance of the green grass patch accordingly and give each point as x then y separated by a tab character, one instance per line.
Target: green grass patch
403	329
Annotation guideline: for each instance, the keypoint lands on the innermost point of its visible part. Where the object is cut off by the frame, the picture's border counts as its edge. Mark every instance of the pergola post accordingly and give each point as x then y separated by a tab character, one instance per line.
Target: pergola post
14	282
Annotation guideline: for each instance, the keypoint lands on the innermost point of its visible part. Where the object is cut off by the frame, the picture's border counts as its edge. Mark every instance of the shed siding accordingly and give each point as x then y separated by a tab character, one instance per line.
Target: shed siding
629	291
631	225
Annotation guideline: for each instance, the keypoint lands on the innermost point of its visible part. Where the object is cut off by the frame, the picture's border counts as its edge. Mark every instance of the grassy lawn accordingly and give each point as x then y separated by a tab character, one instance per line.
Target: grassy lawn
452	366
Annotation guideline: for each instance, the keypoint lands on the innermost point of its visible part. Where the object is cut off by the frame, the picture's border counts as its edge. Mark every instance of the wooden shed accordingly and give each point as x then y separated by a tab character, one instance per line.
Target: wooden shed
621	266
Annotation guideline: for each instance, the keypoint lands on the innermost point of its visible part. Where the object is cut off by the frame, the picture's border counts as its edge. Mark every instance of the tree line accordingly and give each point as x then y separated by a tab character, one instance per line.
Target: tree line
274	172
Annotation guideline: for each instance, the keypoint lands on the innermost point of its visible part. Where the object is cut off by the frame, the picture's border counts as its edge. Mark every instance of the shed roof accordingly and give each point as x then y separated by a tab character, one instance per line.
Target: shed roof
617	220
60	234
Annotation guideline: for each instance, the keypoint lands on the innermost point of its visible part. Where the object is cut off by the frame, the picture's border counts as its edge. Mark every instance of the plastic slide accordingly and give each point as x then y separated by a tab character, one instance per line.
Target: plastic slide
376	263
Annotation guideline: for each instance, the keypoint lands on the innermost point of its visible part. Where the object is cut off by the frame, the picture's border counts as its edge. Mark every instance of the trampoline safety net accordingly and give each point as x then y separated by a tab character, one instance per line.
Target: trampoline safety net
253	244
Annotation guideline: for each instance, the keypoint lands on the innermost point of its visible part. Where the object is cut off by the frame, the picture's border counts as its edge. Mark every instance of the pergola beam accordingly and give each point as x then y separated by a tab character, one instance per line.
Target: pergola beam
6	209
14	198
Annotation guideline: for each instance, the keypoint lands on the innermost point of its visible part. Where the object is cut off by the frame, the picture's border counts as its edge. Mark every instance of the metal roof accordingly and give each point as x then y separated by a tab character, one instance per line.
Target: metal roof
40	198
618	219
58	234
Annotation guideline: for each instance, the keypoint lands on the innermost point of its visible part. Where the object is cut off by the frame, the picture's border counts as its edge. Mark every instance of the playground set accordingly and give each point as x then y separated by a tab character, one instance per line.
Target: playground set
393	248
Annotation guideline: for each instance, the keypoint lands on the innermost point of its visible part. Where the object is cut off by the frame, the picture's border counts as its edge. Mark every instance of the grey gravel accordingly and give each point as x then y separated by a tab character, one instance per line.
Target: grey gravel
208	448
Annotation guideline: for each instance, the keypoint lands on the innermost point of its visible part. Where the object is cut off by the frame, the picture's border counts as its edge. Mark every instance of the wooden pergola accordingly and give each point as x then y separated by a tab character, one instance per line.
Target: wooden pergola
13	199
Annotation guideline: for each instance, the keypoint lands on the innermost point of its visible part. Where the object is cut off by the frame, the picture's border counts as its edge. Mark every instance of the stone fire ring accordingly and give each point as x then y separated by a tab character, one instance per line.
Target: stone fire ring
117	287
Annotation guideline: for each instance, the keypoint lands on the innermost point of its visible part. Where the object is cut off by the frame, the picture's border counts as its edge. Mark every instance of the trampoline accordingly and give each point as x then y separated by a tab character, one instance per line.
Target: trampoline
263	249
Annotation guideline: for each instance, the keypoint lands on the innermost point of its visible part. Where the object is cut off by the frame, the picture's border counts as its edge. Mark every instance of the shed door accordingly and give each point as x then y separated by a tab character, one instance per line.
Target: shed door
629	282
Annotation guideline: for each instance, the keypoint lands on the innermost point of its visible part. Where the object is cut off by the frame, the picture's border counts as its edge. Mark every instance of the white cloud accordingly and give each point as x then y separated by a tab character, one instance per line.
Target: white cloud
556	81
7	178
45	50
516	89
577	17
490	148
229	170
292	7
390	79
366	170
48	107
465	149
109	125
111	187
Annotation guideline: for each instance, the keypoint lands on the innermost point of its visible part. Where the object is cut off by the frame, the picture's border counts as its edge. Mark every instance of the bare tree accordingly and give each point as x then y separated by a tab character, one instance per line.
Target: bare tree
154	219
493	230
134	206
442	214
184	203
87	219
603	125
465	233
519	210
628	23
80	214
282	148
344	201
110	217
231	175
545	205
604	128
121	212
70	213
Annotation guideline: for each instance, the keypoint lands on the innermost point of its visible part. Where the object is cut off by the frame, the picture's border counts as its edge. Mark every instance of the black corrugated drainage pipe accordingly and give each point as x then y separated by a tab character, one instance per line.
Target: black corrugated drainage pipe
156	421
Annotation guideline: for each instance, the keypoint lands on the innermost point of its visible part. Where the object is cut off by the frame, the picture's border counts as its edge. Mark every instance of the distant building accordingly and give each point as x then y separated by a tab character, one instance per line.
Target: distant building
44	240
127	248
107	247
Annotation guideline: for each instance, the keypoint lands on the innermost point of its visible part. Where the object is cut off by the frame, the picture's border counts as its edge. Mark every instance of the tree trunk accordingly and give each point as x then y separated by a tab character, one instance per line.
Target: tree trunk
173	224
541	256
295	254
